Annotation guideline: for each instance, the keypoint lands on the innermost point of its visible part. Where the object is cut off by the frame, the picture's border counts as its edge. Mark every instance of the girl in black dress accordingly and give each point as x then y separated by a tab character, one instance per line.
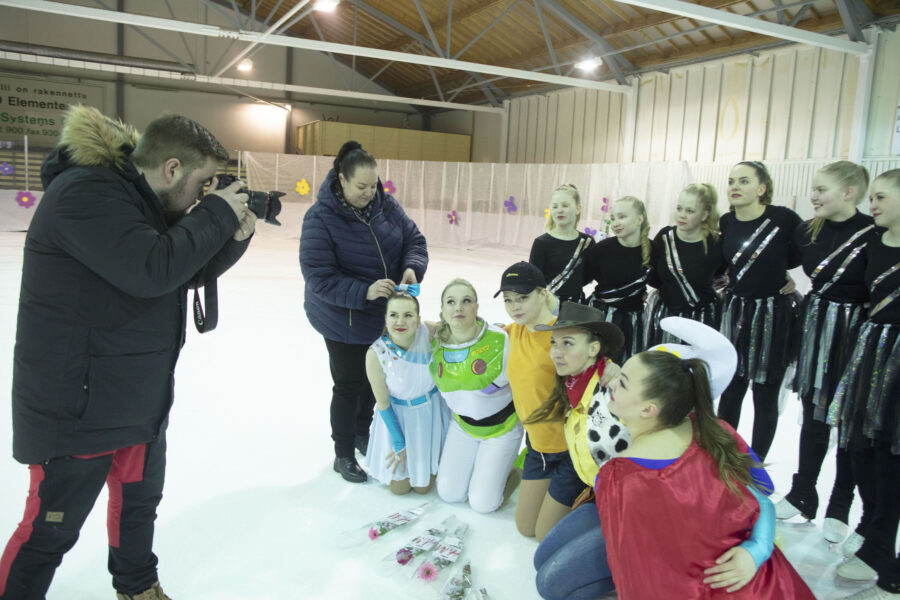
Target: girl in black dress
831	247
560	252
685	260
867	401
620	265
758	310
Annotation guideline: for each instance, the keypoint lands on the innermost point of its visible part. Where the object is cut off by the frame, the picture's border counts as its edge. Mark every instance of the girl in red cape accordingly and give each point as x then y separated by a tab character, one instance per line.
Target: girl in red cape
677	504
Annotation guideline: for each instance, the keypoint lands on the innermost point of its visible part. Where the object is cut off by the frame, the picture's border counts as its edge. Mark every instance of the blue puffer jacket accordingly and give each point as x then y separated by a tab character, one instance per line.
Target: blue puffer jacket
341	256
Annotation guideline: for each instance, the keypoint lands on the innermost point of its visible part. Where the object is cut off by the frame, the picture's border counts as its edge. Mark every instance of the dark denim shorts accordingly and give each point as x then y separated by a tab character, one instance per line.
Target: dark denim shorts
565	485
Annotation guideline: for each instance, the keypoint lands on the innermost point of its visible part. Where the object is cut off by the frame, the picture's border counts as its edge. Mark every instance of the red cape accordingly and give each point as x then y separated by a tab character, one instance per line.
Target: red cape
664	527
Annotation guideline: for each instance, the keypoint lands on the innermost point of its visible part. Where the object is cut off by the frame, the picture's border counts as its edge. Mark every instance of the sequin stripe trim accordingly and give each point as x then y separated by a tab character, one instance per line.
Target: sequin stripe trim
826	339
807	345
890	297
674	263
637	282
840	270
873	415
822	265
567	271
761	338
748	241
839	411
756	253
885	301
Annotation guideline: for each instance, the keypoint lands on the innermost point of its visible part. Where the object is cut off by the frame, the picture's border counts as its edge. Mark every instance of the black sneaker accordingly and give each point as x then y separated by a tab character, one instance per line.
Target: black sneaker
362	444
350	470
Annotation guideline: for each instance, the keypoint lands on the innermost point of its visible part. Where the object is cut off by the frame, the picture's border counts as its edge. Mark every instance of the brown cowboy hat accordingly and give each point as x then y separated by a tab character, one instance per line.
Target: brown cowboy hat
572	314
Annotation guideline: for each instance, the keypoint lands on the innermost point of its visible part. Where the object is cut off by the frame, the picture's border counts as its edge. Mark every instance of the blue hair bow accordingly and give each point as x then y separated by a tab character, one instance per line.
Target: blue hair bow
410	288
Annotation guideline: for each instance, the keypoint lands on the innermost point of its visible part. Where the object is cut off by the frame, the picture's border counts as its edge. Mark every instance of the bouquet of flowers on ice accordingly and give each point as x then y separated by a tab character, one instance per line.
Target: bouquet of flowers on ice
443	555
461	587
378	528
422	543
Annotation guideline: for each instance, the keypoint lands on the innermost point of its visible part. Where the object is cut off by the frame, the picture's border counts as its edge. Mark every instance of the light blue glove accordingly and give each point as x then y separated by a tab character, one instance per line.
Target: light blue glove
762	536
393	427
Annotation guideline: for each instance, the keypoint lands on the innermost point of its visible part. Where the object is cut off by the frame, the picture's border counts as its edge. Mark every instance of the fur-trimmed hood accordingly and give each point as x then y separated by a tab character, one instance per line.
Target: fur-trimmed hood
90	139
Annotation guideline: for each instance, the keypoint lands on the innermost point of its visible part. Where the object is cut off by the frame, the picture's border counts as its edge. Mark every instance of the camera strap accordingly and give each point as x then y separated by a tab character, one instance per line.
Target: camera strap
206	321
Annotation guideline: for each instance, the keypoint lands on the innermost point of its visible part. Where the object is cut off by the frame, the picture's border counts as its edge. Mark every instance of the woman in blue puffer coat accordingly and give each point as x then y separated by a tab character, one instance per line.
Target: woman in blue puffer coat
356	245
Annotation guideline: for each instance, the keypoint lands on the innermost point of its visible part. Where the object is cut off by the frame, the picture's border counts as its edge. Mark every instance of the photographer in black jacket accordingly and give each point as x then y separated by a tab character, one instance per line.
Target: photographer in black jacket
108	259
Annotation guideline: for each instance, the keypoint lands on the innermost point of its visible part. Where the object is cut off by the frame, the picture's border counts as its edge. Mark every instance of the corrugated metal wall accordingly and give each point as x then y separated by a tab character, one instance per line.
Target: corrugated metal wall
793	103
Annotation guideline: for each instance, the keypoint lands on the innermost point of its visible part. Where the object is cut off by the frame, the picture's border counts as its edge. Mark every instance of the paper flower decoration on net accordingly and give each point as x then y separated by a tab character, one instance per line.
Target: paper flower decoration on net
25	199
7	169
511	205
451	216
389	187
303	187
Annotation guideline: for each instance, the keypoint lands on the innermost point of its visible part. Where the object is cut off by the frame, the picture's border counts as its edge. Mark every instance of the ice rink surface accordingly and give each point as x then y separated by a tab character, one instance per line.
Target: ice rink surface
252	508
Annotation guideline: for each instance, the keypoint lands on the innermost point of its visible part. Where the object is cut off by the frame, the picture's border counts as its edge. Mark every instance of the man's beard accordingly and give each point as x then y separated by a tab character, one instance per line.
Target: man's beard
167	201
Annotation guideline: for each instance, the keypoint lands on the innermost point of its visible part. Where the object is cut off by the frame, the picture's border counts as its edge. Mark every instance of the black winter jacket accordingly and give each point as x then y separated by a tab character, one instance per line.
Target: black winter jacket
102	304
341	256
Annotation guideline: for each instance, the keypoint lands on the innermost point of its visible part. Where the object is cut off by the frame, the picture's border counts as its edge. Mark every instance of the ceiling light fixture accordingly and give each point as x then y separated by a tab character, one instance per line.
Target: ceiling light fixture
588	65
326	5
245	65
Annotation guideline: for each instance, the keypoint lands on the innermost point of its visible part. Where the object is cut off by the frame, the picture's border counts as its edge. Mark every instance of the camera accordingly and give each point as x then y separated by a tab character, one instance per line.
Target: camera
265	205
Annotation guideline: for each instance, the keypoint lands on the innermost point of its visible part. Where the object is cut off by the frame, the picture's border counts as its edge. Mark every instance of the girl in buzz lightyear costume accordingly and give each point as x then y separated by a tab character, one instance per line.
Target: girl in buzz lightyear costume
469	368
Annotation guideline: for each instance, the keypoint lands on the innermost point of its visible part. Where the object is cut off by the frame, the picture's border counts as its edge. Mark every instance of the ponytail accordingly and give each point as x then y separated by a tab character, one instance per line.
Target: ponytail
846	175
349	157
645	227
762	173
681	386
707	199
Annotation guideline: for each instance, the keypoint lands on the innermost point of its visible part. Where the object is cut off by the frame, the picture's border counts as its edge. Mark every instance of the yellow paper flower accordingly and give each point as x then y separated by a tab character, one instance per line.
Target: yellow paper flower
546	213
302	187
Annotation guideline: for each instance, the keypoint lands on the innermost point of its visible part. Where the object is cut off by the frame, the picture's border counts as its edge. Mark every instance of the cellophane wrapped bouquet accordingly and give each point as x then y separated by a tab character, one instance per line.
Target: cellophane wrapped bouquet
444	555
420	544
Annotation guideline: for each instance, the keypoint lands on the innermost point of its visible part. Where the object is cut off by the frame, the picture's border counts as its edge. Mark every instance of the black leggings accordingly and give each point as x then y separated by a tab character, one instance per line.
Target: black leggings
877	473
814	438
765	411
352	401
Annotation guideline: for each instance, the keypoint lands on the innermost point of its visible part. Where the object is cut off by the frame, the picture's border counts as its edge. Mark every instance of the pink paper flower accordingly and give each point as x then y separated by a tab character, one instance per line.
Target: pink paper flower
428	571
389	187
451	216
604	207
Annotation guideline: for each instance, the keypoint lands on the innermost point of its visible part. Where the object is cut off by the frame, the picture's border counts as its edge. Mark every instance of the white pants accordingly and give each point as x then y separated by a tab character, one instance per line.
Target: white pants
475	468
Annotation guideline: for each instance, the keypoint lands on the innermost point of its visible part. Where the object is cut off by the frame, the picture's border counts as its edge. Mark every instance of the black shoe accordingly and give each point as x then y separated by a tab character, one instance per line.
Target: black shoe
350	470
362	444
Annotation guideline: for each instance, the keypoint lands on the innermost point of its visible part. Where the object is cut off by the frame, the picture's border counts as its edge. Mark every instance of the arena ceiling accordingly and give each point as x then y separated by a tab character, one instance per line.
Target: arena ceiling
481	52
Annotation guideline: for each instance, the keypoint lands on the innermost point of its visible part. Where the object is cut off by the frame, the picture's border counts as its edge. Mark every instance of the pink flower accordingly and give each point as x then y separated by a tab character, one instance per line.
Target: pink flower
605	206
428	571
404	556
389	187
373	533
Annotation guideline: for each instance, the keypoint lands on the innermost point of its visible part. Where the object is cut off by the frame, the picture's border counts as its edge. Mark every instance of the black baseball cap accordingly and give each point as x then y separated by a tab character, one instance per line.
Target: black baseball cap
521	278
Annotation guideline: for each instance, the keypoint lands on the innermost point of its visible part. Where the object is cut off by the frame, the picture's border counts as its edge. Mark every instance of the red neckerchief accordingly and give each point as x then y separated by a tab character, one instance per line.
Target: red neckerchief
576	384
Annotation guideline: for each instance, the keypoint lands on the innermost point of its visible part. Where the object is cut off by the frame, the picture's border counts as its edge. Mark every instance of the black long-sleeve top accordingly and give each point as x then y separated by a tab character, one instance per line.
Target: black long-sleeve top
850	260
552	255
619	272
691	263
760	252
880	259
